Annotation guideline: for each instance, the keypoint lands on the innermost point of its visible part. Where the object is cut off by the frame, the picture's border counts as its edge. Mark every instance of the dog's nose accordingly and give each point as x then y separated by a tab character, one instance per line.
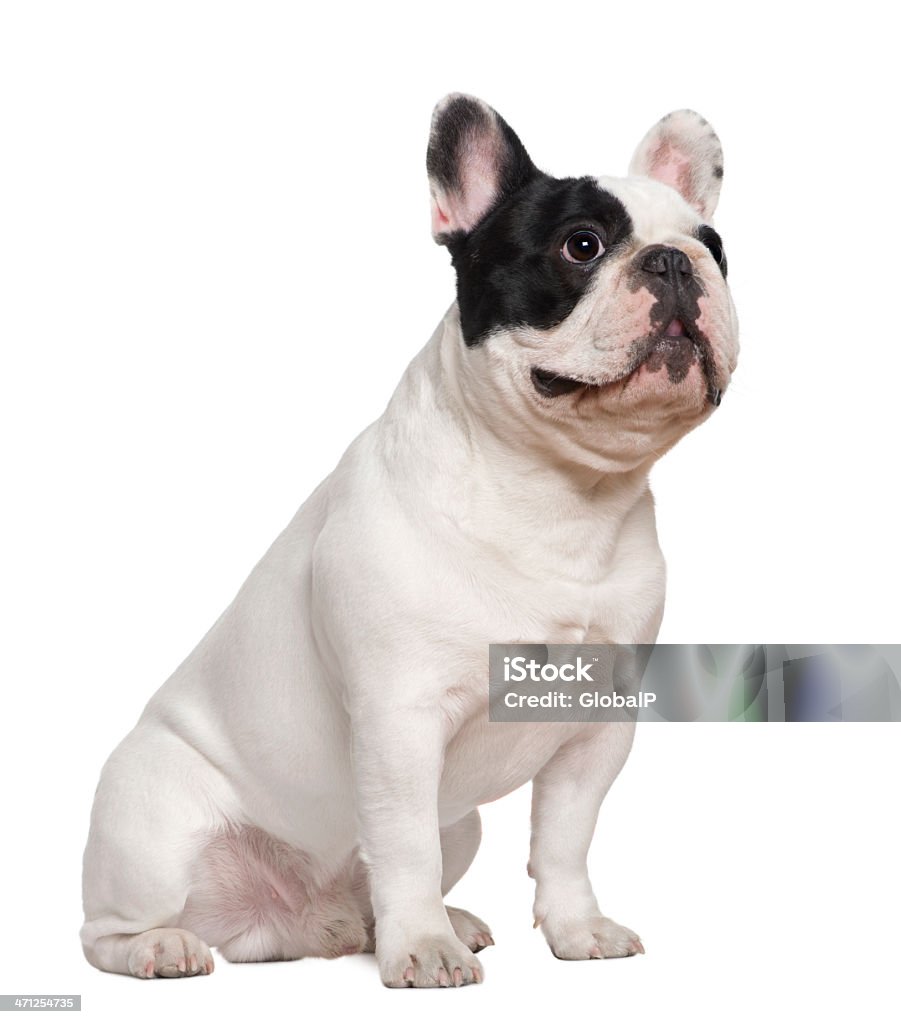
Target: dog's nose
667	262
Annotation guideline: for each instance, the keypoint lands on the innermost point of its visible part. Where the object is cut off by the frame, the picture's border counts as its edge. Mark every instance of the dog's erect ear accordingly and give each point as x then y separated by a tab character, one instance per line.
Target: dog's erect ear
474	161
683	151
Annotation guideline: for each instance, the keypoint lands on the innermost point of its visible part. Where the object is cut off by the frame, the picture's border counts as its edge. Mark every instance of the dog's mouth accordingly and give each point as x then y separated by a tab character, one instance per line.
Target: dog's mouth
677	348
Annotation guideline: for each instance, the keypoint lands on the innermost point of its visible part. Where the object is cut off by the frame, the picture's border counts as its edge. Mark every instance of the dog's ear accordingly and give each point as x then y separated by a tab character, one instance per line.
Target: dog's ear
474	161
683	151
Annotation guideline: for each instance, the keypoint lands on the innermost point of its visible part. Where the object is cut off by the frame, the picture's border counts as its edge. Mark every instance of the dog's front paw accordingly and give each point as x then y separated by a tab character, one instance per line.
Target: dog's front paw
470	930
593	938
428	961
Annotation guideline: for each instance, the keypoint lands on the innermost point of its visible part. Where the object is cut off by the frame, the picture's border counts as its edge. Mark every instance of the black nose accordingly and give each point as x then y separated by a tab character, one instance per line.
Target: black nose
666	261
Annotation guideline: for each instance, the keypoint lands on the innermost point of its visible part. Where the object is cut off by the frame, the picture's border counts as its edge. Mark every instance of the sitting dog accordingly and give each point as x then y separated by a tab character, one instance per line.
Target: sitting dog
307	783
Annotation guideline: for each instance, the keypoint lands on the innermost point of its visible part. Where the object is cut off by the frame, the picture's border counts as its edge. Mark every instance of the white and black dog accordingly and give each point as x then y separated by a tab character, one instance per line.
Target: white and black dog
307	783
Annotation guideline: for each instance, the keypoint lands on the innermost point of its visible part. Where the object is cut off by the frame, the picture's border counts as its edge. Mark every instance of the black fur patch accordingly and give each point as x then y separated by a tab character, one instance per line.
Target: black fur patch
714	243
462	121
509	268
676	295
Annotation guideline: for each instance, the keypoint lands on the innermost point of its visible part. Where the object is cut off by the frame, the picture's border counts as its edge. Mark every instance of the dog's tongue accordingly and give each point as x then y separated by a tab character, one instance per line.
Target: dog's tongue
675	329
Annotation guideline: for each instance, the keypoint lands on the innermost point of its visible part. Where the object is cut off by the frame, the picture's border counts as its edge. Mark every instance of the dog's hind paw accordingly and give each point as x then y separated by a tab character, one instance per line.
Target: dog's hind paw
168	953
470	930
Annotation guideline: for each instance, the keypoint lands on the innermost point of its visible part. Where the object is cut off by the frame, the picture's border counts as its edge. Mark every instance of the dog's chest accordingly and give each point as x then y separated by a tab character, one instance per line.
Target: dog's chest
485	760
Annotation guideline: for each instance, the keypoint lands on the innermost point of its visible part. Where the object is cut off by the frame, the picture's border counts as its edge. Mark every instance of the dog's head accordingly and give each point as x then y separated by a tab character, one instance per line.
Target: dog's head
594	312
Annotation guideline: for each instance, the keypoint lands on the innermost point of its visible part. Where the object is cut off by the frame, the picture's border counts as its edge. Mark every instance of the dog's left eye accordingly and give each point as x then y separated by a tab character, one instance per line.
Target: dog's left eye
582	247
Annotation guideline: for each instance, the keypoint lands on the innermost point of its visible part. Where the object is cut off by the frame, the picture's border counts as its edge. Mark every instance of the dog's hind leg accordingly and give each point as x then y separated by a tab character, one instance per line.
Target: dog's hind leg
153	810
459	844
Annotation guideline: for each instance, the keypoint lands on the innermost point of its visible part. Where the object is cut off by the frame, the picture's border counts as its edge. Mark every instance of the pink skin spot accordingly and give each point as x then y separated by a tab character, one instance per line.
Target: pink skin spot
670	167
633	320
704	314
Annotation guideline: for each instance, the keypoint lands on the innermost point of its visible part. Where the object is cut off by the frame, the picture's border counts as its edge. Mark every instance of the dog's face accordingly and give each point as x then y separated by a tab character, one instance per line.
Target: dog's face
595	311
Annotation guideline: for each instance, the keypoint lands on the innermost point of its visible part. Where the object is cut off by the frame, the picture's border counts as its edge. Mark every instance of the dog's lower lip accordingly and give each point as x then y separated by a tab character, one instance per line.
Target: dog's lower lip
553	385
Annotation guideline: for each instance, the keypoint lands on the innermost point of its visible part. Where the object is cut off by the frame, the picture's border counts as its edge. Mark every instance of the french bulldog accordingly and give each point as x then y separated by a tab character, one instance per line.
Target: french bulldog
307	782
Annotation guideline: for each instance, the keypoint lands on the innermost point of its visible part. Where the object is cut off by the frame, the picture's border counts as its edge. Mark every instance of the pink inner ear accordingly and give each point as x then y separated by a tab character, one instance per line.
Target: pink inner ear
441	222
669	166
441	218
461	208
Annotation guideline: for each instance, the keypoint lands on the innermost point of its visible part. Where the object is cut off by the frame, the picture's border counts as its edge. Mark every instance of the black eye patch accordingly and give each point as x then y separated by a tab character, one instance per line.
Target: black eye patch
510	271
714	243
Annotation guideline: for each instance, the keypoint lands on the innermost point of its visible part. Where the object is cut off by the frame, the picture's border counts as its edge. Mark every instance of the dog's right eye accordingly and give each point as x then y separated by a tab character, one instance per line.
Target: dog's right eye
582	247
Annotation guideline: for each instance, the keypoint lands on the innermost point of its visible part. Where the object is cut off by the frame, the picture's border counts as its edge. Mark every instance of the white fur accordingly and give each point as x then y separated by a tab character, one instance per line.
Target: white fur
684	152
307	782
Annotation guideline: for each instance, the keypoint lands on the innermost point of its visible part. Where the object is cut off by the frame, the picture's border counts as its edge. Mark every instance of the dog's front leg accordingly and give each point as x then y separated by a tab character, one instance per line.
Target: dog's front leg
397	758
566	797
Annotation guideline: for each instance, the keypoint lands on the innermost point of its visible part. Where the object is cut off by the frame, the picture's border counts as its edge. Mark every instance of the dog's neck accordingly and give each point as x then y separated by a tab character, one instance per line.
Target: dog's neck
506	486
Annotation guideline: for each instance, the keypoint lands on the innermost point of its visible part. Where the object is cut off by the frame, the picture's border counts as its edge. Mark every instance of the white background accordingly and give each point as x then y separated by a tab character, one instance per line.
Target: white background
200	207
